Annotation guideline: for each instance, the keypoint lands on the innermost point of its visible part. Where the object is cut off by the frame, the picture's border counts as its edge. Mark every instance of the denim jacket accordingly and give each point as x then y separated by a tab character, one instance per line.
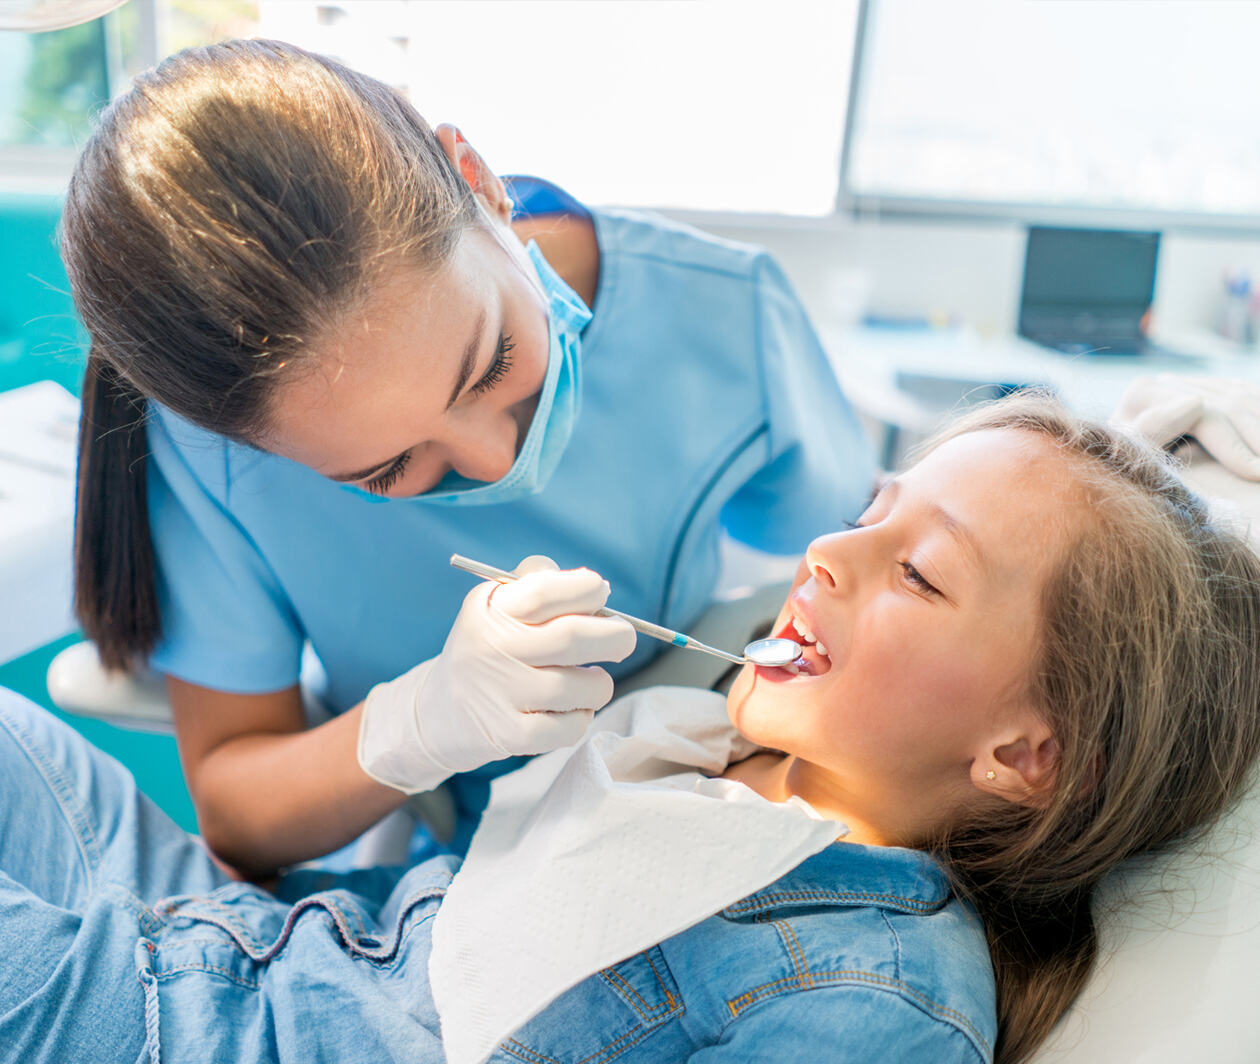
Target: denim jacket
858	954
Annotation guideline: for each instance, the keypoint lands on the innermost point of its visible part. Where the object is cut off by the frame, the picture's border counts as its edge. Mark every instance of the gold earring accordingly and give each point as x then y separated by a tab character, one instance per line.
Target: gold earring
990	775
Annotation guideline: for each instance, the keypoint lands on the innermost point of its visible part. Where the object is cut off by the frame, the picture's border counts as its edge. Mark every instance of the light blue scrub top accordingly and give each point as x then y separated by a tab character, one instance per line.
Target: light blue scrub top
707	401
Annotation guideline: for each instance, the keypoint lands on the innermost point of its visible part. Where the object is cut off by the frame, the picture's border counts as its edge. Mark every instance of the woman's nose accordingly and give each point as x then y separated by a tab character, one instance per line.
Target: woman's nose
483	452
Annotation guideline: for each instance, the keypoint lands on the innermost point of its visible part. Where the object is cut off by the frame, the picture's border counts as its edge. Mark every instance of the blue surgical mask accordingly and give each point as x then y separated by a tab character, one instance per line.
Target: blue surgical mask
554	417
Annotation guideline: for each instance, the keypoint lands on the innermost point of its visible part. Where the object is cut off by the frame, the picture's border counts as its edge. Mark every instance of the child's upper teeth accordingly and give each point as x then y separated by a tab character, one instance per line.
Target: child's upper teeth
821	650
802	631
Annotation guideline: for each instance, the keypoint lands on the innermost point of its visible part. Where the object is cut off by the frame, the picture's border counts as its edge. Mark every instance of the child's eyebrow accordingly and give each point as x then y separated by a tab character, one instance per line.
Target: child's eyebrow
960	533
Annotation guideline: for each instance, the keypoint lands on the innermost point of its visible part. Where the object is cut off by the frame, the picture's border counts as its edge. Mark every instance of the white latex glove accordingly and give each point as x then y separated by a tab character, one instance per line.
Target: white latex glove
509	680
1222	415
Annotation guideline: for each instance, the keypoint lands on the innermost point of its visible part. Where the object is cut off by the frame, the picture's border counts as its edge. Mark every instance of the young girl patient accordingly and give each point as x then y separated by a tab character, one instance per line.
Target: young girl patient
1033	657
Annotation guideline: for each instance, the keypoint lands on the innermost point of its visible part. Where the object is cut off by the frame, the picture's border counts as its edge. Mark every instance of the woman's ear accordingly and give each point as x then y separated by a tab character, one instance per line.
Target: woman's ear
1021	765
472	168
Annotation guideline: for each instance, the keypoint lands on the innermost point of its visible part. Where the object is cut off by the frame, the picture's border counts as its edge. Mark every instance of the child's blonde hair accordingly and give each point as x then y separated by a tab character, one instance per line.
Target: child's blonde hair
1149	677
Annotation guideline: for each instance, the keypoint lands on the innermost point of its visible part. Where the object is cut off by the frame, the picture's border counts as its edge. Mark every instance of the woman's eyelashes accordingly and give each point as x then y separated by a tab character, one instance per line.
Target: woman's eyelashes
382	482
498	369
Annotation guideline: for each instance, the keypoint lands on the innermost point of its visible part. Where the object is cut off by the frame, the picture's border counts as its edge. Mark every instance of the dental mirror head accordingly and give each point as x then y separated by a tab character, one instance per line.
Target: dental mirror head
772	653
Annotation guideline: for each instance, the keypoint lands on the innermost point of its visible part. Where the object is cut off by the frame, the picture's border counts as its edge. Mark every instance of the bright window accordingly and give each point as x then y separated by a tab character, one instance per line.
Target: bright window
1136	105
733	105
51	84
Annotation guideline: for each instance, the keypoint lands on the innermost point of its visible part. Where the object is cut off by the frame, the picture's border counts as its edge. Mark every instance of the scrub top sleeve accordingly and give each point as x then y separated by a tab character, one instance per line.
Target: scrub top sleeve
821	464
226	622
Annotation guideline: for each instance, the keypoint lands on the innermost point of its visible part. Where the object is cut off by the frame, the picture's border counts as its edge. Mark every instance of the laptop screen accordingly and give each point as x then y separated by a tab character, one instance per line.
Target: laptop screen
1085	269
1088	288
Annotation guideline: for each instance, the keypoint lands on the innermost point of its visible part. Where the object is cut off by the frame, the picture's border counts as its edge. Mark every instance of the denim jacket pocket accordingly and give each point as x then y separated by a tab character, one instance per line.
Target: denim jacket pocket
602	1018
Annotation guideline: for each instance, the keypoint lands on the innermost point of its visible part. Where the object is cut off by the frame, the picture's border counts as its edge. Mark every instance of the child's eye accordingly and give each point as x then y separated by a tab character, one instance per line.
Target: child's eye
914	577
499	366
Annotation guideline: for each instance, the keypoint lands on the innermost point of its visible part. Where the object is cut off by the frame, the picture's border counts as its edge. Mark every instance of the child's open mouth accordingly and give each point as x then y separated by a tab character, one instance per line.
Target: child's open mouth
814	659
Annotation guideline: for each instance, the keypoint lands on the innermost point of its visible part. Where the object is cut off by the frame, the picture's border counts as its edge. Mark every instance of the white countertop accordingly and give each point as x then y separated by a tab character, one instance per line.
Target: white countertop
38	427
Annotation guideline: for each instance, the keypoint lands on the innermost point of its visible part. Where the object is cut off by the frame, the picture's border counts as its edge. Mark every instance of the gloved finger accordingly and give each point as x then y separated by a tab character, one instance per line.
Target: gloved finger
1221	439
573	639
1234	401
535	563
1164	420
1225	388
1241	413
1141	394
551	731
540	596
560	689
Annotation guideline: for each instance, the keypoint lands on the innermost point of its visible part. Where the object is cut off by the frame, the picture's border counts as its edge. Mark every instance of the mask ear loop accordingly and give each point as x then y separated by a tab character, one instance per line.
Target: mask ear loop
515	248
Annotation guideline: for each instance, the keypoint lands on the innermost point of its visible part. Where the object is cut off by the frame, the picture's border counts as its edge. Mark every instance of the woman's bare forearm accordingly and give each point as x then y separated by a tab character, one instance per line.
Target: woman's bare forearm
266	801
270	792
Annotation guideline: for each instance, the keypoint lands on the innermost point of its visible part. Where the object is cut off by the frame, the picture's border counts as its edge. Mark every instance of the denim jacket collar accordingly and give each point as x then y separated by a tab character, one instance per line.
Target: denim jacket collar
900	880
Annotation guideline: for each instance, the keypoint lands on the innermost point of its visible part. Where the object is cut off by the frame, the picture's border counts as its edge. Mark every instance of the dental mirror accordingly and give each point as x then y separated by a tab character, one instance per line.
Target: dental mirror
769	653
772	653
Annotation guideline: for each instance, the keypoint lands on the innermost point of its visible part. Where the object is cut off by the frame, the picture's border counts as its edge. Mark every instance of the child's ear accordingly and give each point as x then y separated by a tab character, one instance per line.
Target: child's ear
1021	764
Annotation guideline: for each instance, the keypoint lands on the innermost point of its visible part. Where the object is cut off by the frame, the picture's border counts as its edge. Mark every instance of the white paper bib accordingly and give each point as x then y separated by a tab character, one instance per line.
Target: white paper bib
589	855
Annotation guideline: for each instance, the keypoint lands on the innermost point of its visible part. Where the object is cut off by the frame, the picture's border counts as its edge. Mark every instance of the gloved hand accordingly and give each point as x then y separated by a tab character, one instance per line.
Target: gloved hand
508	681
1222	415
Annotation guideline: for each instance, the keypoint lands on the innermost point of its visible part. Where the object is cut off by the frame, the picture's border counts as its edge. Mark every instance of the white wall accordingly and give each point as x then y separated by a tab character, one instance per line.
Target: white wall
973	269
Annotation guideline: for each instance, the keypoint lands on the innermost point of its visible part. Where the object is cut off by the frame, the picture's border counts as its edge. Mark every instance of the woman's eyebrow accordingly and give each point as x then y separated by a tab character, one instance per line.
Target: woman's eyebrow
466	365
470	358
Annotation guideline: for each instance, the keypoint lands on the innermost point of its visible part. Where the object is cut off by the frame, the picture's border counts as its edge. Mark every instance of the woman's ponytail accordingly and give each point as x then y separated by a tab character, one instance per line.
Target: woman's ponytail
115	595
222	217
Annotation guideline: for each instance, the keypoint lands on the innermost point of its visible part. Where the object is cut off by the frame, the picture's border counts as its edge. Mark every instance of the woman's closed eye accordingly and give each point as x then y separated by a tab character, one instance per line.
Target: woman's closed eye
498	369
382	482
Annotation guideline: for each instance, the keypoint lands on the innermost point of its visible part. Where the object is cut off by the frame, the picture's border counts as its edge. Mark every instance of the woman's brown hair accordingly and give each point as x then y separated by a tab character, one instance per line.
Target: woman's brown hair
226	210
1149	678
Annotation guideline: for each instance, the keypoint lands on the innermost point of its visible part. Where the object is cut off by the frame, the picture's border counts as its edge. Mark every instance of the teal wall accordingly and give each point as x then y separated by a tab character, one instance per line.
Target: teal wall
40	339
39	336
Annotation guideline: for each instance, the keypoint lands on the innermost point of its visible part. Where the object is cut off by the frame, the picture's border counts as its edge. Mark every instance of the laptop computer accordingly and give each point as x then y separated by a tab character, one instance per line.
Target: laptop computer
1089	291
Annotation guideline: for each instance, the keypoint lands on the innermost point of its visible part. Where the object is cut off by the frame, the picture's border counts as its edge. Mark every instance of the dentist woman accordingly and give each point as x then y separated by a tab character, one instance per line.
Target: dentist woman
329	347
